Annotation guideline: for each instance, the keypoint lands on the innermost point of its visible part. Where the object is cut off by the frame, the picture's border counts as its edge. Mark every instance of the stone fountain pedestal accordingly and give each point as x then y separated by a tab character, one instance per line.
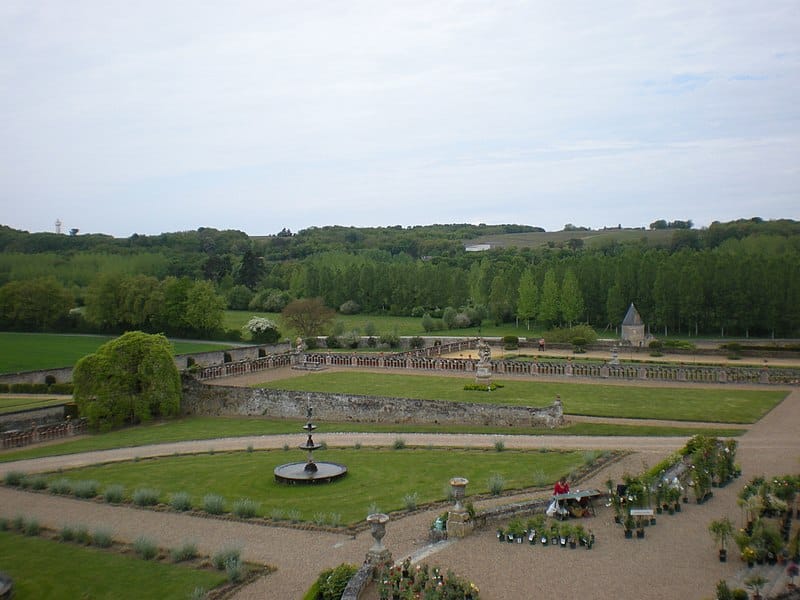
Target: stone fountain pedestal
459	523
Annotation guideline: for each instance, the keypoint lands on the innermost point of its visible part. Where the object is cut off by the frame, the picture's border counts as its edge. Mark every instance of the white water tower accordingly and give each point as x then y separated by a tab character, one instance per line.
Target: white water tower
58	225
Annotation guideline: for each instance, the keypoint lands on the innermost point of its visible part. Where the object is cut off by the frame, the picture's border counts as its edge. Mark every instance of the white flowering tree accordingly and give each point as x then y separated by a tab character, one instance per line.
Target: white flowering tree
262	330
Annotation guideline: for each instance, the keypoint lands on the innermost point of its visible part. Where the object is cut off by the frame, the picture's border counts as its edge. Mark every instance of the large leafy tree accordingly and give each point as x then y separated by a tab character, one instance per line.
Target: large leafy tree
33	305
307	316
571	298
130	379
549	306
528	298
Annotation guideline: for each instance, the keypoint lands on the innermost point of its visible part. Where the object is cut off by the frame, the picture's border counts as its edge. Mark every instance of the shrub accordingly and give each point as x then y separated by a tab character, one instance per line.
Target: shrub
184	552
60	486
181	501
510	342
399	444
294	515
145	496
276	514
198	593
410	501
213	504
145	547
249	448
332	582
245	508
18	523
335	519
81	535
416	342
351	307
390	340
14	478
318	518
234	569
223	556
62	388
102	538
67	533
37	482
4	524
332	341
499	445
86	488
579	345
114	494
32	527
496	483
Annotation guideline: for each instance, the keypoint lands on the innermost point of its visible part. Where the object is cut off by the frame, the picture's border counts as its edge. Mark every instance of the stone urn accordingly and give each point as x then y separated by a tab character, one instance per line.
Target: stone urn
458	487
378	554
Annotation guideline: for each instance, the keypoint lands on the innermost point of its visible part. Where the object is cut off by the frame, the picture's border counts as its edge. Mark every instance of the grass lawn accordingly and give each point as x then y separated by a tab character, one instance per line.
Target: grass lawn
10	403
379	476
721	405
34	351
44	568
206	428
403	326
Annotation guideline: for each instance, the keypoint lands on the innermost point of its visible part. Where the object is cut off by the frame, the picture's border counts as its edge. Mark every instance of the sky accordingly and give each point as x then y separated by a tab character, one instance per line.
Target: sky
169	115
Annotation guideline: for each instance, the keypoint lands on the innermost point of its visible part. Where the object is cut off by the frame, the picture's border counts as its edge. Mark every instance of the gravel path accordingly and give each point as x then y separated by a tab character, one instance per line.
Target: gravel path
677	558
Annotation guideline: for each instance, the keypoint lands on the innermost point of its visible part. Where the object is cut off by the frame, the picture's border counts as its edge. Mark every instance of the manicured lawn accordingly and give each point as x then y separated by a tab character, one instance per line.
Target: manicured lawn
380	476
44	568
14	403
404	326
720	405
34	351
206	428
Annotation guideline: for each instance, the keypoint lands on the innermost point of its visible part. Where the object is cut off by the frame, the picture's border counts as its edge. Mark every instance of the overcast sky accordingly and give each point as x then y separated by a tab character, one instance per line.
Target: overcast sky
168	115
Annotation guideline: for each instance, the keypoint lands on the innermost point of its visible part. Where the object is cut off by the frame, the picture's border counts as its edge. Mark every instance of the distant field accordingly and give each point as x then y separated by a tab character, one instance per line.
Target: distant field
661	237
720	405
34	351
402	326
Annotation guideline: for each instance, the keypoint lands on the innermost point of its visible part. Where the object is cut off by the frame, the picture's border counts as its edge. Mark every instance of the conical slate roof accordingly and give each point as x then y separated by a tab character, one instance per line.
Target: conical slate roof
632	317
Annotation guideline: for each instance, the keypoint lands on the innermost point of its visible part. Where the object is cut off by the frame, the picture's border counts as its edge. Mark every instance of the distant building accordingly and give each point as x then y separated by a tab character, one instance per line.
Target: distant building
478	248
633	327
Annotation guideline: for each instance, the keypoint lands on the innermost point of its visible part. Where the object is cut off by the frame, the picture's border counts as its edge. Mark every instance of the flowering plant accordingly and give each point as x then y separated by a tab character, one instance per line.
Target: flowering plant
404	582
262	330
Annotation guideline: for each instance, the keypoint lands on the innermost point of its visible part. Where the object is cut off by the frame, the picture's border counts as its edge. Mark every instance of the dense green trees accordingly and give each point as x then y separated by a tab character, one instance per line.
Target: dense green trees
735	278
130	379
34	305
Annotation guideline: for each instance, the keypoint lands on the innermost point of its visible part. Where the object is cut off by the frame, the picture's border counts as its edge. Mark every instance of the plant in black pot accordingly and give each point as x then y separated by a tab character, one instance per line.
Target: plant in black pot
629	524
722	532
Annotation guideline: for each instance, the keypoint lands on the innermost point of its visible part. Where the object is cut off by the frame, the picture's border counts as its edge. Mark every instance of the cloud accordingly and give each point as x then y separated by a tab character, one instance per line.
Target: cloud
412	112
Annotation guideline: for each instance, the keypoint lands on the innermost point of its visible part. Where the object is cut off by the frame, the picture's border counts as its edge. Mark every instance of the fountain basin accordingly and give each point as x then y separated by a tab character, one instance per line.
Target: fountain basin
297	472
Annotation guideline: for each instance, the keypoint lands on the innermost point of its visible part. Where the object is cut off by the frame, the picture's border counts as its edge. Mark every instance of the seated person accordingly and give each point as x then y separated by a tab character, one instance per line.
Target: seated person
561	487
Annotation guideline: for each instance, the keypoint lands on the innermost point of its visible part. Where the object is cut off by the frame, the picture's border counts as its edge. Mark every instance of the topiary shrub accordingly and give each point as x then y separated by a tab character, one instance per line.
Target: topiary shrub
416	342
332	341
579	345
510	342
351	307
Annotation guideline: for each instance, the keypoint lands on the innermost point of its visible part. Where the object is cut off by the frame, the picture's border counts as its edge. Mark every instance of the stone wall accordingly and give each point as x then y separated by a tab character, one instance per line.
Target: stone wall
207	400
40	416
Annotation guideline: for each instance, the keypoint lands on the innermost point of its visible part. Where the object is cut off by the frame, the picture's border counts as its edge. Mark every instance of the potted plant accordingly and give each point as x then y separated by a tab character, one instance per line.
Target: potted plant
629	525
749	556
722	531
564	532
755	583
580	535
792	571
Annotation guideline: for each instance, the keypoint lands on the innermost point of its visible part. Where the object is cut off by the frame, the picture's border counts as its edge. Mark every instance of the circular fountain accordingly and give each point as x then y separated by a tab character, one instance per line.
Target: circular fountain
309	471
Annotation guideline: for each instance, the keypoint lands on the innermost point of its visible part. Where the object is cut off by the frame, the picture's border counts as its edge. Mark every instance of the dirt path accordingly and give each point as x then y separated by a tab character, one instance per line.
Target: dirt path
677	558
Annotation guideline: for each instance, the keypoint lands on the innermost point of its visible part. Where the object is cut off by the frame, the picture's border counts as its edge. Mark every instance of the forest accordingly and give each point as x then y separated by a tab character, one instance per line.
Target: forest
735	279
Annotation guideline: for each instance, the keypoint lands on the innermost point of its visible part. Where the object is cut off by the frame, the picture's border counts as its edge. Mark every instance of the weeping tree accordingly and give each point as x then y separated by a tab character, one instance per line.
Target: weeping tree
129	380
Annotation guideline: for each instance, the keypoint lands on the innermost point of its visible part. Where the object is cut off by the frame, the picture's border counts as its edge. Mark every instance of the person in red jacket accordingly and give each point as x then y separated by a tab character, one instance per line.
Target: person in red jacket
561	487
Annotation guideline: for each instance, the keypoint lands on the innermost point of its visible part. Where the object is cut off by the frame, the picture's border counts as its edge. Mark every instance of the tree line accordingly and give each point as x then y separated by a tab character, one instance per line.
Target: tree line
738	278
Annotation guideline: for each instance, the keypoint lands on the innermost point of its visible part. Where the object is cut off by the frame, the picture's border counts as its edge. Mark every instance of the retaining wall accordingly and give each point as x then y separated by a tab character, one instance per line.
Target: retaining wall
208	400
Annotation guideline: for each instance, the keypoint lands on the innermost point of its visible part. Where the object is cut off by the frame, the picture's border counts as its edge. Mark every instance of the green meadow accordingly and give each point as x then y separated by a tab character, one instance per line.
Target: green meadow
43	568
381	477
35	351
720	405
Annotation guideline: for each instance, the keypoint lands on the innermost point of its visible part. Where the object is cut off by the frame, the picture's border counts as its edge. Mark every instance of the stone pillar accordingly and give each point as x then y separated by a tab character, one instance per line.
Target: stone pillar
378	556
458	522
